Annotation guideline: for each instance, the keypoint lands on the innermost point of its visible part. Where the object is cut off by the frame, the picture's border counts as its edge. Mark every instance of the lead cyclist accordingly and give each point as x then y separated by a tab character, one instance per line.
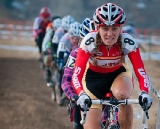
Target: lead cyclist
105	50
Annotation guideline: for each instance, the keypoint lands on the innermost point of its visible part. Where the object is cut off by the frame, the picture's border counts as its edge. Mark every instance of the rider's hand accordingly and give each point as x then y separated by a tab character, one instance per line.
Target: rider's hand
145	98
60	64
83	100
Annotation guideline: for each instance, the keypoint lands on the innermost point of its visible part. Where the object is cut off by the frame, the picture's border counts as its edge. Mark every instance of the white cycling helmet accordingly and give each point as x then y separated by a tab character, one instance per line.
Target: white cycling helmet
57	23
66	21
87	26
75	28
109	14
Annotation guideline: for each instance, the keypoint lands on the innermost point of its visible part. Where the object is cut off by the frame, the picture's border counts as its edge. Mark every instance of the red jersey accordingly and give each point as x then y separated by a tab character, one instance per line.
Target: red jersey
108	60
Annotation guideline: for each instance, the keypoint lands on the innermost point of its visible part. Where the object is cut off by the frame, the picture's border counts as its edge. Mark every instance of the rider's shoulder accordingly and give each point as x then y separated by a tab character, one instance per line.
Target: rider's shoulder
65	38
128	42
89	38
38	19
126	35
88	42
59	30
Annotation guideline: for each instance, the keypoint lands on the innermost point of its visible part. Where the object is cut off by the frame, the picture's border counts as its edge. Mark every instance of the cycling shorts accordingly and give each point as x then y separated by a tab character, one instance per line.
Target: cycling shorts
96	85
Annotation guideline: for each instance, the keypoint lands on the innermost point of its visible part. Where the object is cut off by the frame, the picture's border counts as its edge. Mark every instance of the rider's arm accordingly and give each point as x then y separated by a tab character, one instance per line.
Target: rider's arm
36	26
67	76
131	49
139	69
80	66
47	39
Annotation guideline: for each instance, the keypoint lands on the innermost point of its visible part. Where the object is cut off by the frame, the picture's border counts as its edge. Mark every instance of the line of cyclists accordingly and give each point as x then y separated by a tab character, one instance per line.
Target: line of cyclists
59	40
56	37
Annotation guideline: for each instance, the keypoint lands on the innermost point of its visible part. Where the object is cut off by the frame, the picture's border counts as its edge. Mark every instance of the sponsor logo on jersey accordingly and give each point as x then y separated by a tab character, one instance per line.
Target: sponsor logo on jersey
75	78
146	79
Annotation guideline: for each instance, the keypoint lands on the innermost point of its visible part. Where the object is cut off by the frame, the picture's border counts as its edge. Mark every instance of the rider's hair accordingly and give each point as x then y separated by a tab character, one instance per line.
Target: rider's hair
97	44
80	40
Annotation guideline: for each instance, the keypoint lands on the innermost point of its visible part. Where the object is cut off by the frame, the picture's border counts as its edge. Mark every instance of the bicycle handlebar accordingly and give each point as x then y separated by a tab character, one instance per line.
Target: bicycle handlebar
116	102
113	102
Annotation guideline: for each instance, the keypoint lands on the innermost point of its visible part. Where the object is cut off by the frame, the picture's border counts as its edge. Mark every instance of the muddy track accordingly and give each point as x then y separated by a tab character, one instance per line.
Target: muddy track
25	101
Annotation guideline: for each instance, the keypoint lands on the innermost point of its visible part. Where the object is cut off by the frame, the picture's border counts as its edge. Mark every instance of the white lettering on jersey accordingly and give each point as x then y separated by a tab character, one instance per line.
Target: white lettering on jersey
146	79
75	78
70	62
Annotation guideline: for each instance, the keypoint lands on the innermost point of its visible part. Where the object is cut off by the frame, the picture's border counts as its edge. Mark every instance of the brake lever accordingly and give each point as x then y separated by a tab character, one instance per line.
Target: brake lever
85	112
146	110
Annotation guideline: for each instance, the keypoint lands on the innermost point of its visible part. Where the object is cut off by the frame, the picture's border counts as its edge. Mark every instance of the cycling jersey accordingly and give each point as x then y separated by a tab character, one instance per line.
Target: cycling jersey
108	60
39	26
58	35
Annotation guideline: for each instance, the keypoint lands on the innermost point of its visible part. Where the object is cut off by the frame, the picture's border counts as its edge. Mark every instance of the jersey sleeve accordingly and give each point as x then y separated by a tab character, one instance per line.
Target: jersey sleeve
87	45
47	39
67	76
139	69
36	25
129	43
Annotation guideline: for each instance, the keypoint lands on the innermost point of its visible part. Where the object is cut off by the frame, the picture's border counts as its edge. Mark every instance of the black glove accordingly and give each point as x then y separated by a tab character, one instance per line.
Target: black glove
145	101
84	102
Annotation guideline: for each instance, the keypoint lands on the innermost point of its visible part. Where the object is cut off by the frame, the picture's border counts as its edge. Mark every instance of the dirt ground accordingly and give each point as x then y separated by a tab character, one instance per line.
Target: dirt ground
25	100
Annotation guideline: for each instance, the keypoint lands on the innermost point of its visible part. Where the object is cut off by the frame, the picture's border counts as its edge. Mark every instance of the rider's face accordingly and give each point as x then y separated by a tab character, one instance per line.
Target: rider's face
109	34
74	39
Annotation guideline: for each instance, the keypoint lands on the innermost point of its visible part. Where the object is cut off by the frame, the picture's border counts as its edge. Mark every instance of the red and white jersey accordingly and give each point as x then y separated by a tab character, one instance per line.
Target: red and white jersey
40	25
108	60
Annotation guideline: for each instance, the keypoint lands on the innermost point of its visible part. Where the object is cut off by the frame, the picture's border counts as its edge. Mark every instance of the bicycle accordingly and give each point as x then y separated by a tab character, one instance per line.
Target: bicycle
57	92
112	104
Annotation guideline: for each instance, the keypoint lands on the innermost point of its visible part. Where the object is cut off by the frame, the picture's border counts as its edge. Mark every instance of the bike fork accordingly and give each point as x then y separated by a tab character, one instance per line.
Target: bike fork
112	118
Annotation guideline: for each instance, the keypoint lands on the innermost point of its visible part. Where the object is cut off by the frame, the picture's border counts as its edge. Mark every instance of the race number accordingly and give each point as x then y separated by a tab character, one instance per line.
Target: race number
129	41
61	46
89	41
70	62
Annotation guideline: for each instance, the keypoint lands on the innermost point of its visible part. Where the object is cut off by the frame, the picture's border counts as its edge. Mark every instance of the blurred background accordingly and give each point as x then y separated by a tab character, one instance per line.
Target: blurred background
16	41
144	13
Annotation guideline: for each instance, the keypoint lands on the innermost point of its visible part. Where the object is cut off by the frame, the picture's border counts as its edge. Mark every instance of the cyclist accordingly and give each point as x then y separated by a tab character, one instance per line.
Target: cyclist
48	50
68	42
86	26
105	51
39	28
66	21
